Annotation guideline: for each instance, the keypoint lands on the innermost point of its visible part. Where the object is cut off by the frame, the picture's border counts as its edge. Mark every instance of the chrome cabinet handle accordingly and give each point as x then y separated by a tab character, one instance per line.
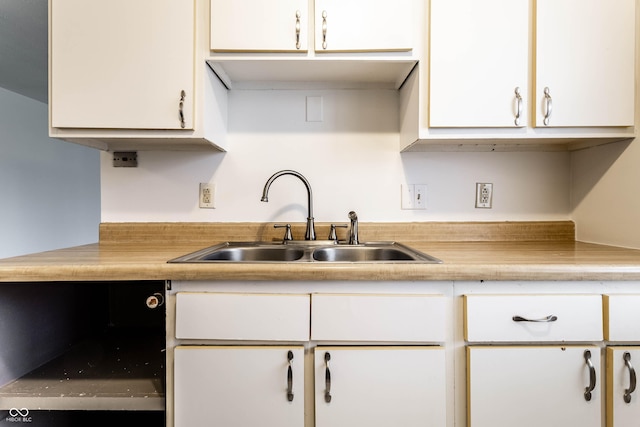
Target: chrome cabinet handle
181	107
548	319
592	376
632	377
327	378
518	106
324	29
548	104
290	377
297	29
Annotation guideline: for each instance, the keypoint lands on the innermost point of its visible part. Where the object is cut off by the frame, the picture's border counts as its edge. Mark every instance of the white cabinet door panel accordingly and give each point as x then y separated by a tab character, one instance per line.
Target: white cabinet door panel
238	386
478	57
208	315
532	387
585	56
410	318
361	26
122	64
622	317
258	25
528	318
622	412
381	387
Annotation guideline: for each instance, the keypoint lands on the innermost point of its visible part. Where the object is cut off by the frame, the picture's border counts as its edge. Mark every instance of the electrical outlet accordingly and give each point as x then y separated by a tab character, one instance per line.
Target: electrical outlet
484	195
207	193
125	159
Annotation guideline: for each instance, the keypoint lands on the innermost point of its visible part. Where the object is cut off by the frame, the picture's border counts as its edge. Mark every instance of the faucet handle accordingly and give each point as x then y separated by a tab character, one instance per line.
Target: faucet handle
332	233
287	232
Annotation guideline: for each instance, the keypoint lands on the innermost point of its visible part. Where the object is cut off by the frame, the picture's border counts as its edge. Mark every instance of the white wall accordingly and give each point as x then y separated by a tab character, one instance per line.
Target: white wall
351	159
49	189
606	194
605	190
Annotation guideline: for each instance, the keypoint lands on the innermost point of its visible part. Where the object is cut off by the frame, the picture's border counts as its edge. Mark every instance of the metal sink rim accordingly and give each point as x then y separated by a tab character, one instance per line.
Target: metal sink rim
305	252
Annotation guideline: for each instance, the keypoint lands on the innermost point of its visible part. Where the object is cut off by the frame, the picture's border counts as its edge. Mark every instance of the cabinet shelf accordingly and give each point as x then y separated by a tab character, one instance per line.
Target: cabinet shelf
117	372
522	142
323	73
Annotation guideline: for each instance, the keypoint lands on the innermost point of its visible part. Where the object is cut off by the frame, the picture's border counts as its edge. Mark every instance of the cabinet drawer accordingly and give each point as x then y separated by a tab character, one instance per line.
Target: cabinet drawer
242	316
532	318
403	318
622	316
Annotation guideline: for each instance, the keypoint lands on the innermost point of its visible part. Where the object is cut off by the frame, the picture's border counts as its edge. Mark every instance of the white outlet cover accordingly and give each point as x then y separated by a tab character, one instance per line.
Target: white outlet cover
203	203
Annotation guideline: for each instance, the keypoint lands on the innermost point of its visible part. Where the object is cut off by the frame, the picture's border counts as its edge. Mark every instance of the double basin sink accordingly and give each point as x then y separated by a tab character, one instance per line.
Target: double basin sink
307	251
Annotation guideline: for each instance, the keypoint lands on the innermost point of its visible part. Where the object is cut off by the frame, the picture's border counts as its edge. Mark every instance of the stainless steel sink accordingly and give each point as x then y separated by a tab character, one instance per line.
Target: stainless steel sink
307	251
371	253
245	252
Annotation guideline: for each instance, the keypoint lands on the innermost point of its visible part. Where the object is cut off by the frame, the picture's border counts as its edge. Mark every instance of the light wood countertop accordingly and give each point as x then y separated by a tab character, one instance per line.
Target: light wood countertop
469	251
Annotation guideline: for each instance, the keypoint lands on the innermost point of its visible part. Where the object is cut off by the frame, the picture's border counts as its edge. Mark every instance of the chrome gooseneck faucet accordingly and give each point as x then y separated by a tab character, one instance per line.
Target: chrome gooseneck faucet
310	234
353	229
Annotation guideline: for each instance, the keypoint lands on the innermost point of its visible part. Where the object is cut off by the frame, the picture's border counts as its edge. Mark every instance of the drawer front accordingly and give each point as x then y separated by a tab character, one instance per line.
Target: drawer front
377	318
242	316
622	317
532	318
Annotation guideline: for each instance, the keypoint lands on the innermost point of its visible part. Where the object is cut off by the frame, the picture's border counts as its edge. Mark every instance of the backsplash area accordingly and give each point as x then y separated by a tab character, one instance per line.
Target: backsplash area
351	160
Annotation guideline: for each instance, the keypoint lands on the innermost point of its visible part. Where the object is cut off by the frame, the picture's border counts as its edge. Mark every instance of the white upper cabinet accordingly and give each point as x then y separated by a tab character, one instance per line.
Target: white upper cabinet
130	75
363	26
259	26
290	44
585	57
285	26
479	60
483	74
120	64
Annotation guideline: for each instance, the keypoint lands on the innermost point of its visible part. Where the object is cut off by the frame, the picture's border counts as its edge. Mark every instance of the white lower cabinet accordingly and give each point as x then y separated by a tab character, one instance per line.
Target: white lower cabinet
531	360
380	386
534	386
306	360
358	384
480	354
623	404
623	357
239	386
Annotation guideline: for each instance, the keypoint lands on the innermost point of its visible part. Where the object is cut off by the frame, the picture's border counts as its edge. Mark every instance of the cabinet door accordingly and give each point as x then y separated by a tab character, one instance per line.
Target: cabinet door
259	26
122	64
380	386
237	316
623	404
363	25
533	318
478	58
621	317
238	386
532	386
585	57
377	318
